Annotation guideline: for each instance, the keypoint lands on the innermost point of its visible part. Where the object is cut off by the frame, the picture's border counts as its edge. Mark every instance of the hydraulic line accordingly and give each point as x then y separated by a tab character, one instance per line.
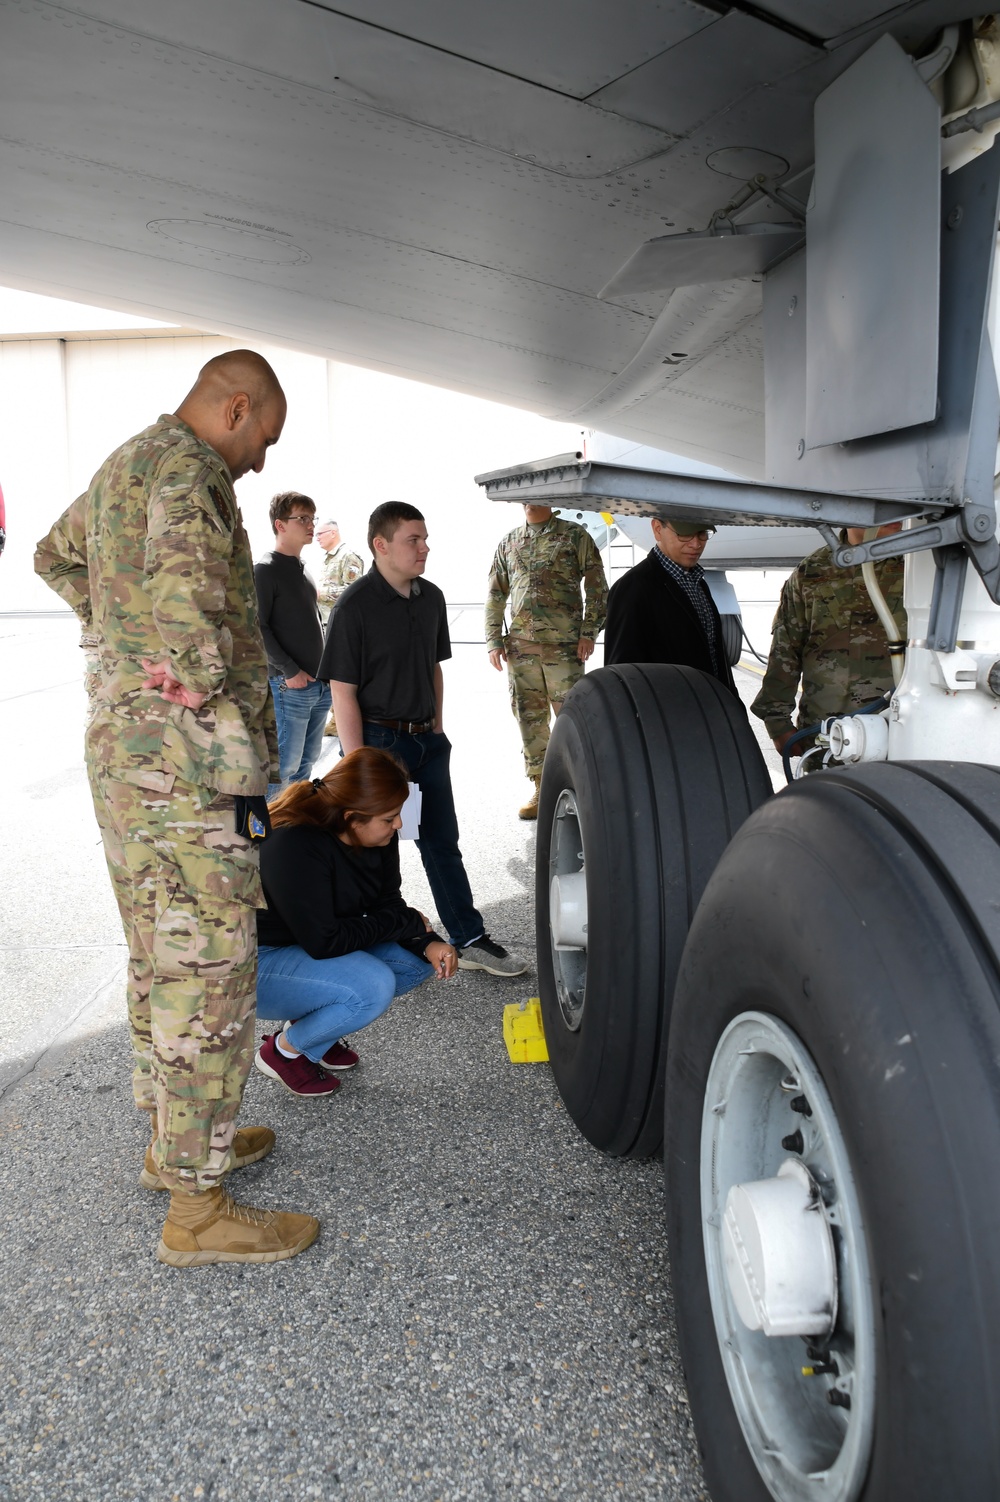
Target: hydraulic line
800	770
786	750
896	638
753	649
972	120
876	706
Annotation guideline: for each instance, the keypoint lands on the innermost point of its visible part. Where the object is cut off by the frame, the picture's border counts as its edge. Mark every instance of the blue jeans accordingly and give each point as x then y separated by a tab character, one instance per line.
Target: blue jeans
426	758
301	715
327	998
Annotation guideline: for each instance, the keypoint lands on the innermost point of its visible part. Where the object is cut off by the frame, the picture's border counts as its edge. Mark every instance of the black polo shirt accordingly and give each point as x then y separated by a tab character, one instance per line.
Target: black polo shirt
388	646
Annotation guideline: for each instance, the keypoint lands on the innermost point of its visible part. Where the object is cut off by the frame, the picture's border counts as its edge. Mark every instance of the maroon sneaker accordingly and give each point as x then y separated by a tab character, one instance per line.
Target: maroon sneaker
300	1075
338	1058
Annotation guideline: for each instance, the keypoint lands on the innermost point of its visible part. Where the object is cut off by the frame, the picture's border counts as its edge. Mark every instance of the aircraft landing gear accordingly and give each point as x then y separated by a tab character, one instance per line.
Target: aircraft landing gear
649	773
835	1053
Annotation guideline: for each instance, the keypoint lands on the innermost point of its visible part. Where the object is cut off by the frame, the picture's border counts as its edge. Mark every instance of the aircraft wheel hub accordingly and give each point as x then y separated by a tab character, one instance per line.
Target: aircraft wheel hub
777	1250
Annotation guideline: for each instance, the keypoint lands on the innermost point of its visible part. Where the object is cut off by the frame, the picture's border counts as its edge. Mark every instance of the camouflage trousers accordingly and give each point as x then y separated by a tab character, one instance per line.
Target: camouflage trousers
187	888
539	682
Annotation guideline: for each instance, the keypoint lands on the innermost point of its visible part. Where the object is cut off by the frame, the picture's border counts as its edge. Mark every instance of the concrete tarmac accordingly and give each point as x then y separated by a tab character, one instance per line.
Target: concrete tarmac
487	1311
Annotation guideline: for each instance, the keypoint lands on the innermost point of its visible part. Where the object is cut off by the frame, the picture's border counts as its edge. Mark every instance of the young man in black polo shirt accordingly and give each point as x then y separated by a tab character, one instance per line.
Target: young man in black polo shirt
384	647
293	637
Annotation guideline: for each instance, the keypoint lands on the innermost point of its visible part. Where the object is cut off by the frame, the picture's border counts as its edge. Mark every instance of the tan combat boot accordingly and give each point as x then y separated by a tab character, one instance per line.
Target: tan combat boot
529	810
249	1145
210	1227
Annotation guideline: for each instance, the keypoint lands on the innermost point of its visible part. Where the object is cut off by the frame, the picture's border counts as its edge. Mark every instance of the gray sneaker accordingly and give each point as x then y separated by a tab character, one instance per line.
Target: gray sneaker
484	954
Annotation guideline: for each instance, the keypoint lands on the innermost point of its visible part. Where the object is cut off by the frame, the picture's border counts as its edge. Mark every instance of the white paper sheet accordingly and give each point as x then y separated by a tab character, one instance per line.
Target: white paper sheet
411	814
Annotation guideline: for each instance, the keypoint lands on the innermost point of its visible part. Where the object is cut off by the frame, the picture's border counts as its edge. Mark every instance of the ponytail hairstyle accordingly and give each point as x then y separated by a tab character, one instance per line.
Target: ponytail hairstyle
362	785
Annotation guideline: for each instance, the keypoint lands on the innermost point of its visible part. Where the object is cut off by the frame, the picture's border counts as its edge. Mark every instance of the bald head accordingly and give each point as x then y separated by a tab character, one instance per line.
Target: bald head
237	370
236	405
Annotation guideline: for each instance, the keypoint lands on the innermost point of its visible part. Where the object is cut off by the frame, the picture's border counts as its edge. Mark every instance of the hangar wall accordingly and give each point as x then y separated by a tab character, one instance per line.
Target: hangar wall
353	438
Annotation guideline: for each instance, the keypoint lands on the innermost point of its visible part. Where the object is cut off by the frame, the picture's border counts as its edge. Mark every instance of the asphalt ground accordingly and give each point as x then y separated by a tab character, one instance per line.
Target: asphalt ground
487	1312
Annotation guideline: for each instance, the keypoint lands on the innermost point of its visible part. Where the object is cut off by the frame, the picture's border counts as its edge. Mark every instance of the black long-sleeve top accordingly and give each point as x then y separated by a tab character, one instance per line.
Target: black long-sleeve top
289	615
331	898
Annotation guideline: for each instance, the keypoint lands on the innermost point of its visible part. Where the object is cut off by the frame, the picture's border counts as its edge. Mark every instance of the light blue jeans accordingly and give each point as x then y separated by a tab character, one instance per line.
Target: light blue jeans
301	714
324	999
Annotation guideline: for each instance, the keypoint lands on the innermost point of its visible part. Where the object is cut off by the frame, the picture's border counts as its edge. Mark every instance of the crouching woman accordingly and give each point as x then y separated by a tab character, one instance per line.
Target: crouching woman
336	941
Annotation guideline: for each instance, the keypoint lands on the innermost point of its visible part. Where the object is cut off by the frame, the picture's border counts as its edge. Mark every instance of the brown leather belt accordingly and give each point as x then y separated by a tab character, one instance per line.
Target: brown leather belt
403	727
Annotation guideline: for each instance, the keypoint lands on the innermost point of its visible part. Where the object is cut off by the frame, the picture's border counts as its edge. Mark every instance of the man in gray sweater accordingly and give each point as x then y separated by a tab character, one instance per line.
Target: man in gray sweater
293	636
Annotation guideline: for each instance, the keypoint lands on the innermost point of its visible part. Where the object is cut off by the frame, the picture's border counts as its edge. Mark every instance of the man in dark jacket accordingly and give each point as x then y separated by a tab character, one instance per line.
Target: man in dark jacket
662	611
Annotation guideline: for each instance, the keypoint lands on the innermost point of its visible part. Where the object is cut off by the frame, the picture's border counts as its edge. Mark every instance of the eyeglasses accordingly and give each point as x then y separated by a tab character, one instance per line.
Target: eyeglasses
307	521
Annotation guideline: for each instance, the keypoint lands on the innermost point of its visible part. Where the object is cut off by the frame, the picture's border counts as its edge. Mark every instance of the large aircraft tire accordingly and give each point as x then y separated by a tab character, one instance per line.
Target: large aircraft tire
845	957
649	773
732	638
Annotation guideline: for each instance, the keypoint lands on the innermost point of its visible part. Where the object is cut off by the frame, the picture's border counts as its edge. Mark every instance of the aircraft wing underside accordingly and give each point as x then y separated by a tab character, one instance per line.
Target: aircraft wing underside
439	189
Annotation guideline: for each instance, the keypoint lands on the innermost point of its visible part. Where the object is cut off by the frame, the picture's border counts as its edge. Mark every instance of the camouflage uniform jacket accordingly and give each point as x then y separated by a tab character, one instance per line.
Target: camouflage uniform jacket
538	570
339	569
826	632
155	561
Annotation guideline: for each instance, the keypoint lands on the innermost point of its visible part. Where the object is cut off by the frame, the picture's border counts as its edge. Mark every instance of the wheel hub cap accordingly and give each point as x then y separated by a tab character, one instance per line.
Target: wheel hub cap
786	1258
778	1254
568	910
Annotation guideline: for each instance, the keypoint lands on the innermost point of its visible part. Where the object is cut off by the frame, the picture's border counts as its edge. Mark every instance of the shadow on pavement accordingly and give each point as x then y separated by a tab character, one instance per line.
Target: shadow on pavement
486	1312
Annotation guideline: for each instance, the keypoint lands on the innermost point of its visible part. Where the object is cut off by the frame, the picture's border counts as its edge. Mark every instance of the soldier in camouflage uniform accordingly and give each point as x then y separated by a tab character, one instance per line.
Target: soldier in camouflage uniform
74	527
539	569
340	568
156	563
828	635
